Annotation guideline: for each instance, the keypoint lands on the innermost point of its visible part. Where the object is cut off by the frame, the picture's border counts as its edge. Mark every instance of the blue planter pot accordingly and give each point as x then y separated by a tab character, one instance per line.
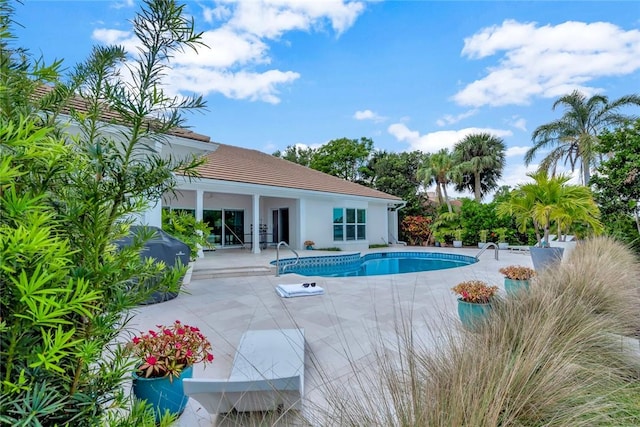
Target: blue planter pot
162	393
545	257
471	314
514	286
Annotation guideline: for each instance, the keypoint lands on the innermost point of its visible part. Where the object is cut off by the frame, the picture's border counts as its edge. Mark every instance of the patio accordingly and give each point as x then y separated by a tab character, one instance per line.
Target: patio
341	327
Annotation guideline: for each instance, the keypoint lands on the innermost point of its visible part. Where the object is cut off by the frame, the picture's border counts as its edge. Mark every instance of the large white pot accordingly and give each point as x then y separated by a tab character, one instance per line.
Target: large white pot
457	243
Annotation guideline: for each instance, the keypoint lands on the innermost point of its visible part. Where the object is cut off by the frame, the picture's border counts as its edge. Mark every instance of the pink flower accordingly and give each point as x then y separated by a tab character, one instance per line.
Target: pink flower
180	331
151	360
189	353
178	346
209	357
136	340
168	332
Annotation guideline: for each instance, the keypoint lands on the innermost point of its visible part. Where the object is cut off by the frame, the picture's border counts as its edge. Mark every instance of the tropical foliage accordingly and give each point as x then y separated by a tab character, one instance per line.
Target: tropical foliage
417	229
438	168
66	291
479	160
574	137
551	201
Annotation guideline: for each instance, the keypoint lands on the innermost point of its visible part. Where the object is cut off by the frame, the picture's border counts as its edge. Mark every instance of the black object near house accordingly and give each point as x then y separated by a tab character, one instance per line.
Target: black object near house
161	247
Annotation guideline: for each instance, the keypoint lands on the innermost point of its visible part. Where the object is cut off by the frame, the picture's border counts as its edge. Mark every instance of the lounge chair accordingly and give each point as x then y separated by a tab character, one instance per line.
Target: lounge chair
267	374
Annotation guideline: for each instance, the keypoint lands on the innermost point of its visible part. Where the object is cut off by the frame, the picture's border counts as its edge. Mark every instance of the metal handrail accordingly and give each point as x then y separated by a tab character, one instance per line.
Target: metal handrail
486	246
236	236
278	258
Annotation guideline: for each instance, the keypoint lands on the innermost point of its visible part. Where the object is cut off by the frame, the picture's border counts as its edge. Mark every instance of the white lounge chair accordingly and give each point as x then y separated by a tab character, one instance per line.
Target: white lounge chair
267	374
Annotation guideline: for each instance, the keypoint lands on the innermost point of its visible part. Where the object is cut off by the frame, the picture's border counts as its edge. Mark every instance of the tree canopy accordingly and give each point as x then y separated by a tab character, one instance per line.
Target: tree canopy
479	159
574	137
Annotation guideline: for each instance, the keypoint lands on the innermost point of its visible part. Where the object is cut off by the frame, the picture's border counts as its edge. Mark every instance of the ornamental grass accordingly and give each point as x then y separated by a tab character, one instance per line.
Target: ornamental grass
558	355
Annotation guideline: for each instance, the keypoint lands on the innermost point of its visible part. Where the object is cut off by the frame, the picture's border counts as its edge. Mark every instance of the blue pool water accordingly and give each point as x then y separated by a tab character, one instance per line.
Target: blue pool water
373	264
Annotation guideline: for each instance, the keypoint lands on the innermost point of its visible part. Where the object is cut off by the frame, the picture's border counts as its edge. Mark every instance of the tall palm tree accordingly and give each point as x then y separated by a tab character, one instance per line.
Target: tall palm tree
479	159
574	136
438	167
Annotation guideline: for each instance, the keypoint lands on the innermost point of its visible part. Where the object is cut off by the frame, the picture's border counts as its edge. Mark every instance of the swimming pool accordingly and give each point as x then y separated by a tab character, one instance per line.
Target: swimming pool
373	264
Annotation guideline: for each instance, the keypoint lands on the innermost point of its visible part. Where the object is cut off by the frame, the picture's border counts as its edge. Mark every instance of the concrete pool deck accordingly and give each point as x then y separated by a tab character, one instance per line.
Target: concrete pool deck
341	326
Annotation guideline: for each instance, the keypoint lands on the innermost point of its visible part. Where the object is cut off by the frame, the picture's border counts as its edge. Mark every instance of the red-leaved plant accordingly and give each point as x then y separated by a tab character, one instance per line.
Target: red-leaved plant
518	272
475	291
169	349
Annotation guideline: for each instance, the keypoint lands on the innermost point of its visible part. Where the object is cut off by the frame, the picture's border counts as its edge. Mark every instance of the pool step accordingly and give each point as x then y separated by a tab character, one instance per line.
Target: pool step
242	271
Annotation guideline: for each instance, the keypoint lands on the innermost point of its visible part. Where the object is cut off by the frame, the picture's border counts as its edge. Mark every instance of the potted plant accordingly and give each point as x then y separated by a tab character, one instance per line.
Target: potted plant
502	237
482	238
550	202
309	244
457	237
474	301
166	356
516	277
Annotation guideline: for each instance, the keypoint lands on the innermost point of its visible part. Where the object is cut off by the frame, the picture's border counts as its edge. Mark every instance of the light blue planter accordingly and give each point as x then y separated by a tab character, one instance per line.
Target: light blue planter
514	286
471	314
545	257
162	393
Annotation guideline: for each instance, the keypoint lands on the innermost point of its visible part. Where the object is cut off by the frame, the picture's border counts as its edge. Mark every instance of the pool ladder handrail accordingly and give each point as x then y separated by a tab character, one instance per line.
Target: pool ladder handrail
485	247
283	243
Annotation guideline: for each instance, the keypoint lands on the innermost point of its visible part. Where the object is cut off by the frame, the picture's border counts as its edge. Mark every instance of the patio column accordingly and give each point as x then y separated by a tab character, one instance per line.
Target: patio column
199	204
199	207
255	233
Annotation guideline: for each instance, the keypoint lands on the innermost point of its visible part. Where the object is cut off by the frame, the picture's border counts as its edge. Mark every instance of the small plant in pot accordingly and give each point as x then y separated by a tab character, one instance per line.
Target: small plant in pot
502	237
457	237
474	301
166	356
482	237
516	277
309	244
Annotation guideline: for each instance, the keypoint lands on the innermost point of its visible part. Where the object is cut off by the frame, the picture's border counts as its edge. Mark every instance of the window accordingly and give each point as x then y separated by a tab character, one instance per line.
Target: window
349	224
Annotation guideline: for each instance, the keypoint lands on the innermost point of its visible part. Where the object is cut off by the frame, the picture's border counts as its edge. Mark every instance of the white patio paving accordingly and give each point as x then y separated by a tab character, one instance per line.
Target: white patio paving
340	326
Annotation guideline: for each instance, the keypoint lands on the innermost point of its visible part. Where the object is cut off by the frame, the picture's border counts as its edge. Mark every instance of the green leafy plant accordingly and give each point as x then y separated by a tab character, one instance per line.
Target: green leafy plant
502	234
67	292
169	349
184	226
458	234
482	235
475	291
517	272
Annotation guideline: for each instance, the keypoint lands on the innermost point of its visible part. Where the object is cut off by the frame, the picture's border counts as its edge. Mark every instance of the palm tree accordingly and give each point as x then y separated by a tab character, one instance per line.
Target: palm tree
550	201
480	158
438	167
574	136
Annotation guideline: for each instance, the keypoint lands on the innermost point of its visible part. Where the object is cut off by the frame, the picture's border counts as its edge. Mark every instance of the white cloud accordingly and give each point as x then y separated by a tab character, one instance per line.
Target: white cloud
235	63
368	115
434	141
546	61
240	85
272	18
516	151
449	119
518	123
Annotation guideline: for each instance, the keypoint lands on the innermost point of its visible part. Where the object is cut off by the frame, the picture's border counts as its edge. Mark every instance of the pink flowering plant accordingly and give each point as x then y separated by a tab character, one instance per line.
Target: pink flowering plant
169	349
475	291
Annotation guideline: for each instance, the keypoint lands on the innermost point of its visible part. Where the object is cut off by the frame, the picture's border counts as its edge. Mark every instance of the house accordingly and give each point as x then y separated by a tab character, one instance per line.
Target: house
247	196
239	188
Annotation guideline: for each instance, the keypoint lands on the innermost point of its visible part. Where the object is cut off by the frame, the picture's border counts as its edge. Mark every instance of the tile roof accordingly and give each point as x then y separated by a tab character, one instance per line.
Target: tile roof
235	164
109	116
242	165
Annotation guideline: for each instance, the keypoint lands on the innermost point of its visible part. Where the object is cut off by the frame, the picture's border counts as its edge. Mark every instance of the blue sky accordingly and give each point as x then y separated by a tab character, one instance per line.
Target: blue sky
408	74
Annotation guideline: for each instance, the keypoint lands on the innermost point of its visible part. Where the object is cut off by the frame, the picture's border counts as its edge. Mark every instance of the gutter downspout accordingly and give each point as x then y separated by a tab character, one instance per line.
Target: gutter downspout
396	208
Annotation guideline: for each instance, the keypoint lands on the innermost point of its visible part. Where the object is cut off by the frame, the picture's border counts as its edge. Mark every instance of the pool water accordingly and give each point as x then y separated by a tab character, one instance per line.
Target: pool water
373	264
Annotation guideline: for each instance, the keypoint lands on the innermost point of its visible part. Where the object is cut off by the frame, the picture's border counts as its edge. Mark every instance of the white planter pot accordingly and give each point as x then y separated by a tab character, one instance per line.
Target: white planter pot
503	245
457	243
481	244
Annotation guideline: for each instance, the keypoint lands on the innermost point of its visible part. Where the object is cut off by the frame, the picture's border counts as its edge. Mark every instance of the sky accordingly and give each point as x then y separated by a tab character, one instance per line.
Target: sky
410	75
